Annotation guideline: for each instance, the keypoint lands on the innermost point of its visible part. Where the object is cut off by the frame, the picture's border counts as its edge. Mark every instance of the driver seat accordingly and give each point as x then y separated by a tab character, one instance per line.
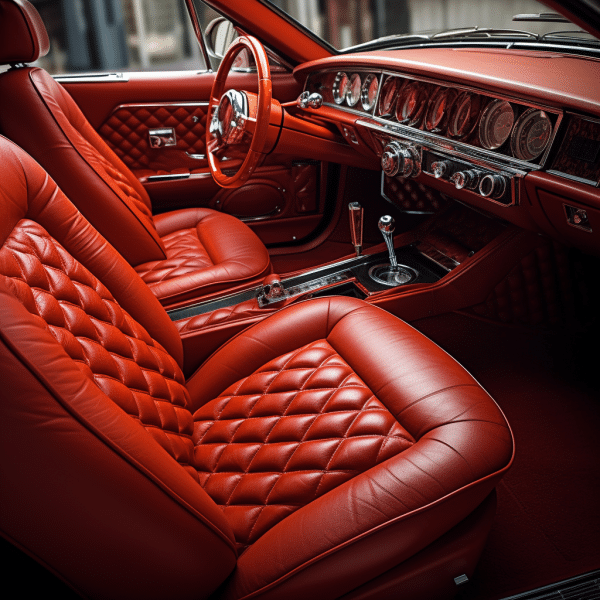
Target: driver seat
181	255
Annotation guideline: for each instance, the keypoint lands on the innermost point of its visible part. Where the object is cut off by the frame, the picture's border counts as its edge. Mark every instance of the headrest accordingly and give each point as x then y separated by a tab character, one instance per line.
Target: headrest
23	37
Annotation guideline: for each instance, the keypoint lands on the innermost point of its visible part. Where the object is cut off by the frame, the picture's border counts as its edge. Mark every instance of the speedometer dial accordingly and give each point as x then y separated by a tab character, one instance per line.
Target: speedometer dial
341	83
368	91
412	104
388	95
464	115
496	124
353	93
439	108
531	134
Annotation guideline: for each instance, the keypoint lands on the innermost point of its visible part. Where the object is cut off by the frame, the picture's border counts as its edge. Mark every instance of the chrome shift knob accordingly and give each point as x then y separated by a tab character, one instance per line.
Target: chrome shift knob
356	225
386	226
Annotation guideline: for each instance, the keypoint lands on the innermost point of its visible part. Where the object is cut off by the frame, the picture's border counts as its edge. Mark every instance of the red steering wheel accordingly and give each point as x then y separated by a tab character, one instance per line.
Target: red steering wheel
237	116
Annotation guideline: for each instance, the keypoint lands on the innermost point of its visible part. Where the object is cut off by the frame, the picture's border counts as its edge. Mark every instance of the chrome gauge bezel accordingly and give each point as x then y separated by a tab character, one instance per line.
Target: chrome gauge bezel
462	130
354	89
339	94
422	92
485	123
522	122
438	109
387	96
368	94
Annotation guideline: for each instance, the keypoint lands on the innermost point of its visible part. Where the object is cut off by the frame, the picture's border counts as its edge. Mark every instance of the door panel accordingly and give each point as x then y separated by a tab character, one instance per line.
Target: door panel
128	130
281	201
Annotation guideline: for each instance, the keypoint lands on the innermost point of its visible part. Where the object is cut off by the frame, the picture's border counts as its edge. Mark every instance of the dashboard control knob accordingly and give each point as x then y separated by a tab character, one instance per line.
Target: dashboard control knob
398	159
390	159
441	168
466	179
315	100
492	185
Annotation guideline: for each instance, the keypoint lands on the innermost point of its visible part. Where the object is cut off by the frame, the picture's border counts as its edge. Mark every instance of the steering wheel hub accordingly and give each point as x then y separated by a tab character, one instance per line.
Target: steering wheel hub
228	122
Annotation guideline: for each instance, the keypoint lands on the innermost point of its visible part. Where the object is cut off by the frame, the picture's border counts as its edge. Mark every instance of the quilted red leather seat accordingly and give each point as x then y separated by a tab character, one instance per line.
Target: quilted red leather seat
181	255
330	450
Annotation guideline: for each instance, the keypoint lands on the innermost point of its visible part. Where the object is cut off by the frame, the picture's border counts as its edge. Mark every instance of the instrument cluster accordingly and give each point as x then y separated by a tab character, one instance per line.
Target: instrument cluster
496	124
511	128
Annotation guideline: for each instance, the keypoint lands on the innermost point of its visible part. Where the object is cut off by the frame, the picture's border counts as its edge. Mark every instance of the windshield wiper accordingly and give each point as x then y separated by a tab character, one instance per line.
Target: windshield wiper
483	32
575	36
542	18
383	41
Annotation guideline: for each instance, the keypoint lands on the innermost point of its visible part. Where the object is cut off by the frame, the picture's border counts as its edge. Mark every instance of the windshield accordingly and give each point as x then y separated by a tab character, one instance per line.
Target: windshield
344	24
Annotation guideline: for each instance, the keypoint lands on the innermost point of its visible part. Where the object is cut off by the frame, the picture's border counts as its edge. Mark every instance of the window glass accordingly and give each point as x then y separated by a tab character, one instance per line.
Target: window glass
346	23
119	35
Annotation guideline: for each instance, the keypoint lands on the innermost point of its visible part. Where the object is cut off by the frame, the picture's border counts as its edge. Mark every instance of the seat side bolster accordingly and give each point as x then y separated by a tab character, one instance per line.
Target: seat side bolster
52	209
88	471
27	116
345	531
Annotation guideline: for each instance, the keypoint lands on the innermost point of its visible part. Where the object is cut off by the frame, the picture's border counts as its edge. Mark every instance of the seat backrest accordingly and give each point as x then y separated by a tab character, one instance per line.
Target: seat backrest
84	347
40	116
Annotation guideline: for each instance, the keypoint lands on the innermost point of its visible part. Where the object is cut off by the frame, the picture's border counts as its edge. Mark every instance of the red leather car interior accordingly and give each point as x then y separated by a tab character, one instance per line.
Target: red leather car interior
311	453
38	113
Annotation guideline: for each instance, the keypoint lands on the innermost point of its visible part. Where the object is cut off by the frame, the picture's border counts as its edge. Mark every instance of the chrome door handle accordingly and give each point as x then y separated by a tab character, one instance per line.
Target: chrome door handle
160	138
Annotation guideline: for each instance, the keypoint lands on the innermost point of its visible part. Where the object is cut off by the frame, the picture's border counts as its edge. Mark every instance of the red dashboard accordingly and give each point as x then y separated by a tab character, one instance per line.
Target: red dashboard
516	133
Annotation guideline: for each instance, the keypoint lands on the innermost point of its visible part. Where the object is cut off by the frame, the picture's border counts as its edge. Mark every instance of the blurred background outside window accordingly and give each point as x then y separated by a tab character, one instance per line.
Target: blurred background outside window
143	35
345	23
121	35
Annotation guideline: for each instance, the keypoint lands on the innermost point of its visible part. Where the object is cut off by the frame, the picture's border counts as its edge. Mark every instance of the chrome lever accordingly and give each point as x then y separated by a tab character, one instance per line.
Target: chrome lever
356	213
159	138
387	225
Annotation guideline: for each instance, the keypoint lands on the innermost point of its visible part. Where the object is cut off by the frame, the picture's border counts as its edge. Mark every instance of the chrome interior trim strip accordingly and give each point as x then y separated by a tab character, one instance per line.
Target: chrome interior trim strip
454	148
91	78
168	177
154	104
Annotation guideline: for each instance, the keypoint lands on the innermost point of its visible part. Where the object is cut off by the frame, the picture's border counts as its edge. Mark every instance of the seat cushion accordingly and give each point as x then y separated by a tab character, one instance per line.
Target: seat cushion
339	442
207	252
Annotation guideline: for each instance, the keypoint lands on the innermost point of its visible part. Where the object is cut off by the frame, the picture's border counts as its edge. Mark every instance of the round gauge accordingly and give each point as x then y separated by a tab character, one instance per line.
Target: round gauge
496	124
464	115
438	109
388	95
368	91
412	104
353	92
531	134
341	83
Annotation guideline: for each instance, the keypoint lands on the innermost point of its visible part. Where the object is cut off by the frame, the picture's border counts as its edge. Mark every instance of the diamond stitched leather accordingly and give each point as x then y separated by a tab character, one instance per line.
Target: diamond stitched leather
298	427
185	254
113	349
126	130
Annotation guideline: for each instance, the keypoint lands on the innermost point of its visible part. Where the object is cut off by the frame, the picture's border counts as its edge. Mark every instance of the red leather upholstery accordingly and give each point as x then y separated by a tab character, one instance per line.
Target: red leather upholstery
206	252
324	445
40	115
24	37
126	131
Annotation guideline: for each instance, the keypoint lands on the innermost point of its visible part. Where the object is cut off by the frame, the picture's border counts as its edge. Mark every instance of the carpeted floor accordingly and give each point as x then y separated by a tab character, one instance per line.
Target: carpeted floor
547	526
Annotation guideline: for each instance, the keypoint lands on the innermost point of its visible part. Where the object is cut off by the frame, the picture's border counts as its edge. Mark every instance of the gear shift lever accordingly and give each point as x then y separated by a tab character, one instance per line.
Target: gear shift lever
356	225
391	274
387	225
